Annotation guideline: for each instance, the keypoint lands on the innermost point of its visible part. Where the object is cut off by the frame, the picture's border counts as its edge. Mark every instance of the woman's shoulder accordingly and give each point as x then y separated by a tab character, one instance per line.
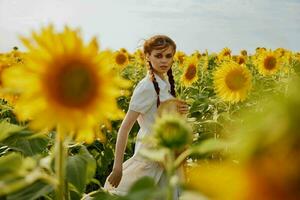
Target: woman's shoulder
143	96
145	85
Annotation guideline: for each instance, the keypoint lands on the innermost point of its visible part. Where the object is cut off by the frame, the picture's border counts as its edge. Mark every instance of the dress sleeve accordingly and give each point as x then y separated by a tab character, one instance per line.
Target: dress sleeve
143	98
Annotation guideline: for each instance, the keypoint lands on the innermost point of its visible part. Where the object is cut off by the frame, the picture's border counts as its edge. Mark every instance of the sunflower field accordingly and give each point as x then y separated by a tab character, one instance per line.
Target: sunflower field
63	101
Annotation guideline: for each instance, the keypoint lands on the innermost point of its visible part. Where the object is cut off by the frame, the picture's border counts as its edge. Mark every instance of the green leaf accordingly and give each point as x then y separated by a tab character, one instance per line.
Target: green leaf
142	184
9	165
24	142
101	195
32	192
7	129
81	169
144	188
105	158
17	172
209	145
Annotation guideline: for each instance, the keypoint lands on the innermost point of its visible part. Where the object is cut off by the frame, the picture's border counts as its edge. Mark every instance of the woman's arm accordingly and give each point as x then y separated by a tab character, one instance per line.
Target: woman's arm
129	120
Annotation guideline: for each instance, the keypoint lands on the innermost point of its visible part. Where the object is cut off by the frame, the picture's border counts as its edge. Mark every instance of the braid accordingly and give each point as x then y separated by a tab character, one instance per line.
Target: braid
172	82
155	84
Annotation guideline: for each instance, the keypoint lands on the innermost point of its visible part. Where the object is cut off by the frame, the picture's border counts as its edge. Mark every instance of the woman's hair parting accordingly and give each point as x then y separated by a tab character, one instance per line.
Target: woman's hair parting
159	42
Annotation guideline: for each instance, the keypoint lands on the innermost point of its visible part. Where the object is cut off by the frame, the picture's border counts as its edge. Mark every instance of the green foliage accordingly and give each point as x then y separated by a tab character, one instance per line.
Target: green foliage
144	188
32	192
17	172
81	169
24	141
26	157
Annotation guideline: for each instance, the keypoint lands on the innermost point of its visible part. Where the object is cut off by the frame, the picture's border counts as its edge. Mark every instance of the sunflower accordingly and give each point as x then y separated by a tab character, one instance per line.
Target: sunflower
281	52
297	56
244	52
232	82
268	63
10	98
189	75
226	181
8	60
124	50
121	59
67	84
241	59
258	52
180	57
224	54
172	131
197	54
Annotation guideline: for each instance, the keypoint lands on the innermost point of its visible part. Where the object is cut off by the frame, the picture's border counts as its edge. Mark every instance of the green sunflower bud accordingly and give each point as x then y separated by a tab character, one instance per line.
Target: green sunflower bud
172	132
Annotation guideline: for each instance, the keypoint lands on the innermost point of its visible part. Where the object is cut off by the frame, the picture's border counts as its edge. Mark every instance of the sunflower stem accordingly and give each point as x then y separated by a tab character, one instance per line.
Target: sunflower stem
60	156
170	173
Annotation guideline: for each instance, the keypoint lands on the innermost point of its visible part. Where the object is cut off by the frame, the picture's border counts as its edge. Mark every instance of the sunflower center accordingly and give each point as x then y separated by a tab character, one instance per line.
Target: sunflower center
235	80
227	53
74	86
181	59
270	62
244	53
241	60
120	59
191	72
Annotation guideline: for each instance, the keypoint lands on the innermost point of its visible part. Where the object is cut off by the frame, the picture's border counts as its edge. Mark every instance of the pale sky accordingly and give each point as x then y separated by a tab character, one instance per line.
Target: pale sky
193	24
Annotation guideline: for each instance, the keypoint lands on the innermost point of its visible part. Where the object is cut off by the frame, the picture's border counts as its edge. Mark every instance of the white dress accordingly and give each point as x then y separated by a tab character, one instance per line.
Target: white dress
143	100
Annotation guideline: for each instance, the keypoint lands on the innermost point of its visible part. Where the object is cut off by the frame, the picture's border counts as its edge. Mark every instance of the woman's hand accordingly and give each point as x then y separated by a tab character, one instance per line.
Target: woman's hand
182	107
115	177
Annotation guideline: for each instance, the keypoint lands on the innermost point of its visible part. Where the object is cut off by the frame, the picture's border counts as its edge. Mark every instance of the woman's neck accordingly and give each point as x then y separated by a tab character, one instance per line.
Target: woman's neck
162	76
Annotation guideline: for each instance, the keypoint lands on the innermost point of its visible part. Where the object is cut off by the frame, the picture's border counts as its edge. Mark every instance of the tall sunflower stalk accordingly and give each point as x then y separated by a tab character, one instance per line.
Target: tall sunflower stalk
60	166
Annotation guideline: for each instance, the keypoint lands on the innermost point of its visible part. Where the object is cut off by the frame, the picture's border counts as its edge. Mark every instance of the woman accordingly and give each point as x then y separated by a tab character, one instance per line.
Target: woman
159	51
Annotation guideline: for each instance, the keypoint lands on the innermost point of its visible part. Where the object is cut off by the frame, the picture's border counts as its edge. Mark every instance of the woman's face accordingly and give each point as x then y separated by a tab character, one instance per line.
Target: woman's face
161	60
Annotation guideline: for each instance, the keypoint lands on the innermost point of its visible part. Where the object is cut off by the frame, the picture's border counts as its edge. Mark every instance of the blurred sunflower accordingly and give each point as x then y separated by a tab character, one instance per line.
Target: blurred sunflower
8	60
189	75
244	52
124	50
265	150
121	59
197	54
172	131
225	54
281	52
232	82
268	63
258	52
218	181
241	59
66	84
179	57
296	56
